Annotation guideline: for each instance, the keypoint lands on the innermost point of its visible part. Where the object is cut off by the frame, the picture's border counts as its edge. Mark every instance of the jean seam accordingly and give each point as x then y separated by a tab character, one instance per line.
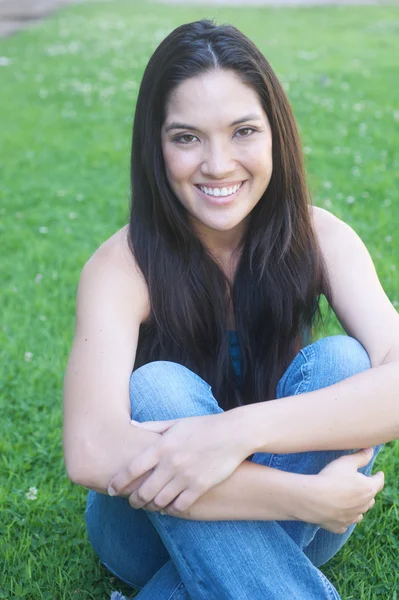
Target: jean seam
200	583
179	586
89	502
202	381
131	584
306	372
327	585
306	369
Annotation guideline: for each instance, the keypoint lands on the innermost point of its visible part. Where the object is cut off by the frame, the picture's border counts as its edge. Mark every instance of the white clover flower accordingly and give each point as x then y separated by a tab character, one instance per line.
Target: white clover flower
306	55
28	356
43	229
72	215
42	318
388	238
38	278
350	200
327	185
32	494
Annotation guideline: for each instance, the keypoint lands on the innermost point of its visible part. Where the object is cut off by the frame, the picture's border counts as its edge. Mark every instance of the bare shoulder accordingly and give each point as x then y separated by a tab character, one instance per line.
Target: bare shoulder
356	295
337	240
335	237
113	262
116	251
326	225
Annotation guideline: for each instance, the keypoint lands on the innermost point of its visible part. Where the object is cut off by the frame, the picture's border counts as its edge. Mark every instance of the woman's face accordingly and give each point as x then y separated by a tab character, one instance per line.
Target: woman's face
217	148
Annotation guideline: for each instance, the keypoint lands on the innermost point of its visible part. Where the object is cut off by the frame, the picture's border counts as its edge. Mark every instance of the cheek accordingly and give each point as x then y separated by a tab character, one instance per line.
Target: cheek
179	166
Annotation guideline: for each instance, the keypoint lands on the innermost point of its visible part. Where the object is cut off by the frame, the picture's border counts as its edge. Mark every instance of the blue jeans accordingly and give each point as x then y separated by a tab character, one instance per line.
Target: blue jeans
169	558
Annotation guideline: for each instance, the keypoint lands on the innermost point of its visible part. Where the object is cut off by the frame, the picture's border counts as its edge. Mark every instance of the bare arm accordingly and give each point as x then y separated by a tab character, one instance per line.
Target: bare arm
111	304
362	410
334	499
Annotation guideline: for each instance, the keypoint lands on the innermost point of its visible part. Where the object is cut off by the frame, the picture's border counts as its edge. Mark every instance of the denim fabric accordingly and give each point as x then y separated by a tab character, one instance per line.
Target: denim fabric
169	558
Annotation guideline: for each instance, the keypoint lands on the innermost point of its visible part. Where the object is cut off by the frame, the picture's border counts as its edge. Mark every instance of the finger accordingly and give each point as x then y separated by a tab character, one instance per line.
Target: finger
150	507
135	484
360	518
341	529
170	493
140	465
156	426
360	458
185	500
379	480
370	504
152	486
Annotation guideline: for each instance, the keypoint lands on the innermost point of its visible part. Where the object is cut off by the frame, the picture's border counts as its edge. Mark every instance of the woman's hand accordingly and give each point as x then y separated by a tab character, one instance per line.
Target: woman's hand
343	494
192	455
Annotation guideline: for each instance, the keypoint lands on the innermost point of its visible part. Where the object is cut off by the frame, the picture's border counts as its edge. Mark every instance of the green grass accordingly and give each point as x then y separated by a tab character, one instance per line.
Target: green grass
67	100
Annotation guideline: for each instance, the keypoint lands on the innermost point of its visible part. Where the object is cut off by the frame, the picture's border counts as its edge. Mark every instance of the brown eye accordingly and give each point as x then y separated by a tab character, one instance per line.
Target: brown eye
180	138
250	129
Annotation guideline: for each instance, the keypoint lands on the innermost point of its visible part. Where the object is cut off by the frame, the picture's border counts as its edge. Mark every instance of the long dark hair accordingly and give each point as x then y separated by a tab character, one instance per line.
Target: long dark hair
280	274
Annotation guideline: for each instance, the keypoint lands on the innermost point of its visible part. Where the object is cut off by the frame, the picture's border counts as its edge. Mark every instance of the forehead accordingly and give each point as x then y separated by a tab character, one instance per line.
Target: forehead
217	96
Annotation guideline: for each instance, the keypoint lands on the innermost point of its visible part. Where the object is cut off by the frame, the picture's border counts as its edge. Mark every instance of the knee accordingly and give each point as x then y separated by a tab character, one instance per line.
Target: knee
322	364
335	358
341	352
167	390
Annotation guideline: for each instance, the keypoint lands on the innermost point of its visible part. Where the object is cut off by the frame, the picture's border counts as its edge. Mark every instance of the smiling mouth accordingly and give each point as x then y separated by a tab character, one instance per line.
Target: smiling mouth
220	193
221	200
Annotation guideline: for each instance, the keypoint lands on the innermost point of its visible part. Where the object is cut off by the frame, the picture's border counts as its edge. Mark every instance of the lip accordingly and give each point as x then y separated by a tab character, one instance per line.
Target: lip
220	200
227	184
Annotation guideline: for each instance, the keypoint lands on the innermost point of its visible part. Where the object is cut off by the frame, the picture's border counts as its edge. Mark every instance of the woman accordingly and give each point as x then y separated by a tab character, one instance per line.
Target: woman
194	320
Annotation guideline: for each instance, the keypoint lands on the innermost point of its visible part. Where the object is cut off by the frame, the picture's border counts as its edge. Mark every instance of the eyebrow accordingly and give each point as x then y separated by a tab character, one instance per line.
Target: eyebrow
253	117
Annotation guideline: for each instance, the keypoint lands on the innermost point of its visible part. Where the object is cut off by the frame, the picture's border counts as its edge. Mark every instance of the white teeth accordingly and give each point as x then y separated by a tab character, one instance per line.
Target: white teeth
220	191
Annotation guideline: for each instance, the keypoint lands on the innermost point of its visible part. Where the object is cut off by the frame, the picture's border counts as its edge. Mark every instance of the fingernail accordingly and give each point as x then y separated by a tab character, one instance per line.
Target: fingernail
111	491
132	422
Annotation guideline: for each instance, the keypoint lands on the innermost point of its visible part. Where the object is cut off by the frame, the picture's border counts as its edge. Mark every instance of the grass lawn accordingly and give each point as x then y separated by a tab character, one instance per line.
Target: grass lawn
68	90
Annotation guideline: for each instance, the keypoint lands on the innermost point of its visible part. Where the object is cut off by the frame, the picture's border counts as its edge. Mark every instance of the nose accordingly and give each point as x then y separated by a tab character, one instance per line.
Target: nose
218	161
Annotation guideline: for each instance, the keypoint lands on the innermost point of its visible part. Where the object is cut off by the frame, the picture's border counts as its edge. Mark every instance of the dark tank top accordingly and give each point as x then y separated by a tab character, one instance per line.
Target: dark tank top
235	354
